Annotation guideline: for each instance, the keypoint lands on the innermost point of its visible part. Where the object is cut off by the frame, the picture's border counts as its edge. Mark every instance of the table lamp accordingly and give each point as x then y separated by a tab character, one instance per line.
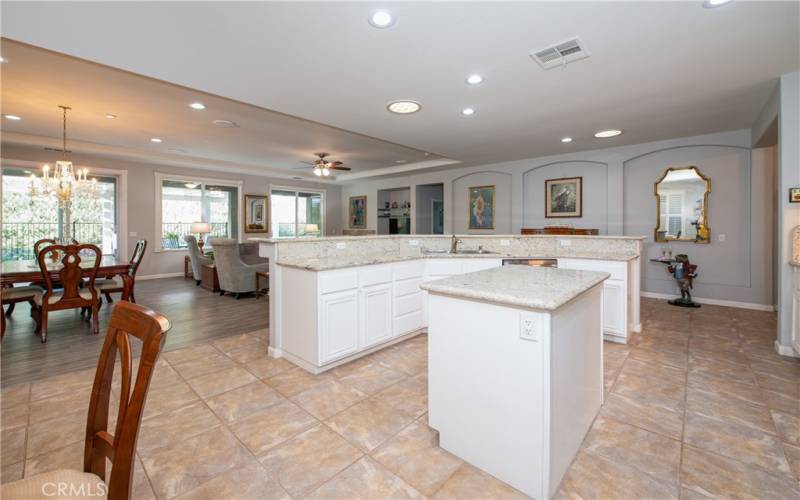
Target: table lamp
200	228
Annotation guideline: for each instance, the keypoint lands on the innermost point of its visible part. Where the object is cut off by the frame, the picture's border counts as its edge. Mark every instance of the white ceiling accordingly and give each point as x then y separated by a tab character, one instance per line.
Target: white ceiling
657	69
35	81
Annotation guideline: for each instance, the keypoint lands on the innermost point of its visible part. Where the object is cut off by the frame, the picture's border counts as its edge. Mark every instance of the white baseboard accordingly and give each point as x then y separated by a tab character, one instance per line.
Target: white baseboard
713	302
785	350
158	276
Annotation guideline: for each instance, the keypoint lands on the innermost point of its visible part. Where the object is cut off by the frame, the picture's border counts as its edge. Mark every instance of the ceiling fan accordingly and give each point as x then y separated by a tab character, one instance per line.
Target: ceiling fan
323	167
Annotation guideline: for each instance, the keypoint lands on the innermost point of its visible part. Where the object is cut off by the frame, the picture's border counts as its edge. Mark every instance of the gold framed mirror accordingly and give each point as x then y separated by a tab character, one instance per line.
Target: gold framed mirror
682	206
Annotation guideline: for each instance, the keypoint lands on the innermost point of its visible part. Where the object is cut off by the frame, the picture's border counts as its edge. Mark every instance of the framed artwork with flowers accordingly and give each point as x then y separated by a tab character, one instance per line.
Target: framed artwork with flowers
480	200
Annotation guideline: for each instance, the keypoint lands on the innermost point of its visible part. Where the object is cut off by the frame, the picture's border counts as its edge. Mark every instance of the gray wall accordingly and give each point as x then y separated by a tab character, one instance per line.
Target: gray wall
141	199
424	208
618	199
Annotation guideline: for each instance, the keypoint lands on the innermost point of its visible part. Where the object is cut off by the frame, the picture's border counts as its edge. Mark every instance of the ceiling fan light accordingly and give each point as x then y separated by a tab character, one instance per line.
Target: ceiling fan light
326	172
317	171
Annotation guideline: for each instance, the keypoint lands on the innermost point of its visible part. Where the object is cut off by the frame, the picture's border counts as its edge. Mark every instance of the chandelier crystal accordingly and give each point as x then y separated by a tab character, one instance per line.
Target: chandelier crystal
63	183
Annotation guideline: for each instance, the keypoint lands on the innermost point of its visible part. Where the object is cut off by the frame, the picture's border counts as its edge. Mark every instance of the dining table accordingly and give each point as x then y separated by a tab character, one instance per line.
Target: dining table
28	271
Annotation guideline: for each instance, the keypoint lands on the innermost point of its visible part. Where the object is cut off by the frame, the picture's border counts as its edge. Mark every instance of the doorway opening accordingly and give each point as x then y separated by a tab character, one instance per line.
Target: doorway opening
430	209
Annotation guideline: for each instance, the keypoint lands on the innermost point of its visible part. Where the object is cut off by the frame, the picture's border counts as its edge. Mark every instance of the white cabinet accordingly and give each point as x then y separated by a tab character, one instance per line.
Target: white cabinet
338	325
376	312
617	315
614	297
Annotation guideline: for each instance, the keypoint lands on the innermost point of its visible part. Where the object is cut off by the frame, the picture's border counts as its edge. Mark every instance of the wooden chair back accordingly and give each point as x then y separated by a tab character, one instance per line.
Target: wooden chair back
127	320
138	255
70	274
37	247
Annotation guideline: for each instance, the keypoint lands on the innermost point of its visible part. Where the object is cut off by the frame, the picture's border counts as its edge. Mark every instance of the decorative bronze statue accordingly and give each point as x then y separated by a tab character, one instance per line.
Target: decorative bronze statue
684	272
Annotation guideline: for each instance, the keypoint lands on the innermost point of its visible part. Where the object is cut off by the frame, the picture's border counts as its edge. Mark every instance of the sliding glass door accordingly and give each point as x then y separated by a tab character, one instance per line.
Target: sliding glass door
28	219
297	213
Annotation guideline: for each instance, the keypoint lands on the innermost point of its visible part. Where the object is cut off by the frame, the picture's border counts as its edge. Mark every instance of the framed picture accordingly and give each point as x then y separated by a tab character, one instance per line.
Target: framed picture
480	200
437	211
563	197
358	212
256	213
794	195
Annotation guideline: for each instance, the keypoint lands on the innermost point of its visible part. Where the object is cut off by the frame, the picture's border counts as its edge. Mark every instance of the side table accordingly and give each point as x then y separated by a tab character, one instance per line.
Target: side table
259	291
208	277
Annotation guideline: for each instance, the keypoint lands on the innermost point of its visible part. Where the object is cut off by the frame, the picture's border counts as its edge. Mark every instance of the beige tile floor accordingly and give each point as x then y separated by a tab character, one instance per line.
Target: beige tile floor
698	405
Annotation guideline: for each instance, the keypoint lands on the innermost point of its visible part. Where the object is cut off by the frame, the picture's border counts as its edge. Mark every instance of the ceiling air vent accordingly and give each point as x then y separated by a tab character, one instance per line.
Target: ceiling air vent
560	54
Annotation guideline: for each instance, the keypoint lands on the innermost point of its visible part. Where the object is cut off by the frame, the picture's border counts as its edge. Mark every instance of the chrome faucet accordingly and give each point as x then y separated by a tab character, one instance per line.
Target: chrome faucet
454	244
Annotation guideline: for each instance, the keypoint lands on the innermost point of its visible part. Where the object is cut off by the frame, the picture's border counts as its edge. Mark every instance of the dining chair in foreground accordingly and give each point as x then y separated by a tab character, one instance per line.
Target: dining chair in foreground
108	286
127	320
70	264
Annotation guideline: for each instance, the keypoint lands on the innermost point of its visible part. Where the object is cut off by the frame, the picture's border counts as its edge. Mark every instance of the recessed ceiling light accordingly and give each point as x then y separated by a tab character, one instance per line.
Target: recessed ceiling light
605	134
711	4
468	111
566	139
110	116
225	124
3	60
381	19
156	140
198	106
474	79
13	117
404	107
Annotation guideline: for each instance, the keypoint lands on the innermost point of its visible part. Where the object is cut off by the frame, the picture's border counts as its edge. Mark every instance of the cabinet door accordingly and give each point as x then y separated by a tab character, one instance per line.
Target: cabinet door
614	298
338	325
376	307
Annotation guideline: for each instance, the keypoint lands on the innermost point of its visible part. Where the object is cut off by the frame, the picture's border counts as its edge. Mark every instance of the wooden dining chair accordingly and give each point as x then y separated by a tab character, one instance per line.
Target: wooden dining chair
12	297
127	320
115	285
74	292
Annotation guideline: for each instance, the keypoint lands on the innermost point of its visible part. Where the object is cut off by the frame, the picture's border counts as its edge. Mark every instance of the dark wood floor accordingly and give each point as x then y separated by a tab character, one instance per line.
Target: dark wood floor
197	315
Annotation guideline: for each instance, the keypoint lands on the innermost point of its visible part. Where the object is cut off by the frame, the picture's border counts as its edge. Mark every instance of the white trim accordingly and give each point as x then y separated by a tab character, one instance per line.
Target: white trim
713	302
158	276
785	350
299	189
121	201
161	176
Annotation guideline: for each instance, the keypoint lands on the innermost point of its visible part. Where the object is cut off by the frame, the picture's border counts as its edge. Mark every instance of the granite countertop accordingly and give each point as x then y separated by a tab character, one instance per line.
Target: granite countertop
542	288
344	261
312	239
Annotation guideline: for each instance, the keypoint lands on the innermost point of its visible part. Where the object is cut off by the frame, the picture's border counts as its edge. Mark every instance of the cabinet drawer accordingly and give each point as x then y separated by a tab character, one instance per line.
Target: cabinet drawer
335	281
443	267
408	303
374	275
407	270
406	287
617	269
408	323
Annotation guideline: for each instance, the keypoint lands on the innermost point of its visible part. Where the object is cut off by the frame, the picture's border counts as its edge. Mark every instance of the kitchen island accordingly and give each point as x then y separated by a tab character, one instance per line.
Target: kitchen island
515	369
332	300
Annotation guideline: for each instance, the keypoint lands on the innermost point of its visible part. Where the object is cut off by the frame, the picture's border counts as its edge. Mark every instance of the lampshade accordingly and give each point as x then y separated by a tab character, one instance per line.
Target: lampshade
311	228
200	227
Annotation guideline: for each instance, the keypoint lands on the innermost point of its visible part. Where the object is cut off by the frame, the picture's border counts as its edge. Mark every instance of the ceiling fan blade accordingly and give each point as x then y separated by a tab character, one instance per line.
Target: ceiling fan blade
337	167
336	163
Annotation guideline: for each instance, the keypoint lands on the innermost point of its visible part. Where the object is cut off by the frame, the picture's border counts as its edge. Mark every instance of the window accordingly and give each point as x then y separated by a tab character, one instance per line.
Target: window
184	201
297	213
671	206
27	220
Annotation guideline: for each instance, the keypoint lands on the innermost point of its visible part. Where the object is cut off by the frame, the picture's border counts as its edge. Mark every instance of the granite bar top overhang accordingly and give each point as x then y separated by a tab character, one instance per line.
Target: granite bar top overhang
446	236
540	288
356	260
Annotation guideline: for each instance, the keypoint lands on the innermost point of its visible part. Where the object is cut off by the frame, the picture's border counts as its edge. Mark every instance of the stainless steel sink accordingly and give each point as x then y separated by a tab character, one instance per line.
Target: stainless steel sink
458	252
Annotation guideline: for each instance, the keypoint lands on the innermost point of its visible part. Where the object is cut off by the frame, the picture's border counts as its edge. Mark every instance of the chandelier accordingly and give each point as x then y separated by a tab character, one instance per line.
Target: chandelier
63	183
